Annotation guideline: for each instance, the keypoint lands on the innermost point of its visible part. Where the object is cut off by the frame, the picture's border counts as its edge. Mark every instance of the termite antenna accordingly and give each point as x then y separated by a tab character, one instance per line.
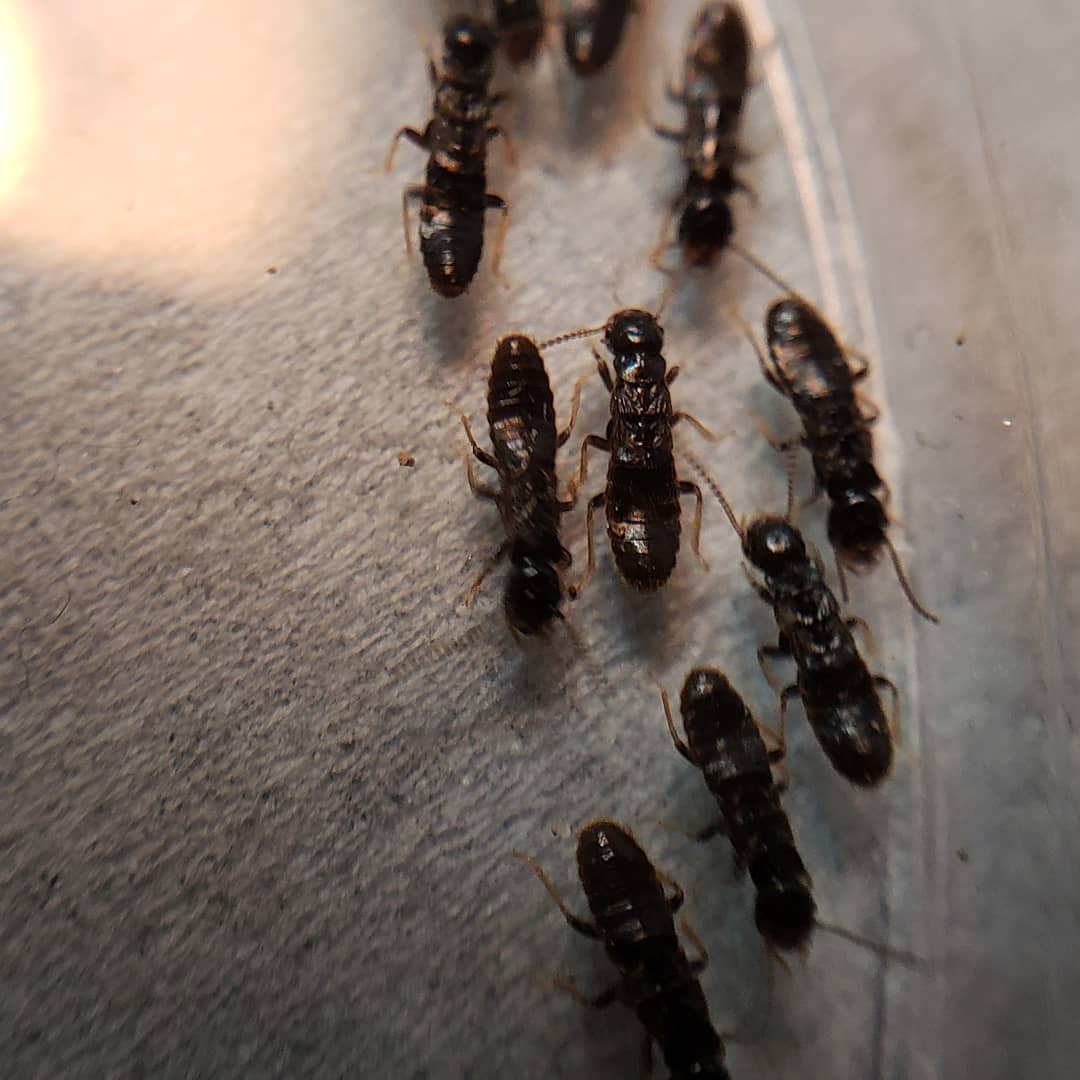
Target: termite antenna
559	339
904	956
714	487
792	465
768	271
669	291
905	584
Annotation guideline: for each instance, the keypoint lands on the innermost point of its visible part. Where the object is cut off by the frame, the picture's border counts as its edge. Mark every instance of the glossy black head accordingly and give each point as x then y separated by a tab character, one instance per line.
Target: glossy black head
533	595
792	321
468	51
705	227
857	524
785	918
635	339
773	545
606	854
709	689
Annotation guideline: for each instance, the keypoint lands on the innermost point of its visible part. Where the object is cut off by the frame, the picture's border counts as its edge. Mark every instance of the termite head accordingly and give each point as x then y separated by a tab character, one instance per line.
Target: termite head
857	524
773	545
705	227
533	595
710	705
635	339
468	51
799	338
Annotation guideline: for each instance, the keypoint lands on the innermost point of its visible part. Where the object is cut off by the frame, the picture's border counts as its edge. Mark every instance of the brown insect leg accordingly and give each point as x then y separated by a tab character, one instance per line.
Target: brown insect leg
417	138
414	193
688	487
596	1001
894	719
871	642
495	132
595	503
679	744
582	926
700	962
490	565
496	202
575	405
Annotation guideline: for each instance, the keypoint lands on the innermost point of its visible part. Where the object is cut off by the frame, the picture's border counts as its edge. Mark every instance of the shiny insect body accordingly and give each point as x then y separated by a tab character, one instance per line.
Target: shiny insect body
592	32
810	368
642	493
715	81
454	199
724	742
520	26
838	692
521	421
634	918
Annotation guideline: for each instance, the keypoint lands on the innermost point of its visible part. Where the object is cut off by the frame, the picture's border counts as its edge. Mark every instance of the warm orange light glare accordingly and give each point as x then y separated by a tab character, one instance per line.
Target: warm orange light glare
18	99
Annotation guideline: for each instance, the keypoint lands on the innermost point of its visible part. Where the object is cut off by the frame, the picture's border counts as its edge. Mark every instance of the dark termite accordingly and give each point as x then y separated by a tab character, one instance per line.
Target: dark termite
592	32
520	26
521	420
454	199
838	691
642	491
810	368
725	743
715	80
633	917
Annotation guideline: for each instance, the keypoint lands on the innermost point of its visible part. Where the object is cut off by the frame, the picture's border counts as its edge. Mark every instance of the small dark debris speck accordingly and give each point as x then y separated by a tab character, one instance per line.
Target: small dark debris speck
962	854
407	461
271	270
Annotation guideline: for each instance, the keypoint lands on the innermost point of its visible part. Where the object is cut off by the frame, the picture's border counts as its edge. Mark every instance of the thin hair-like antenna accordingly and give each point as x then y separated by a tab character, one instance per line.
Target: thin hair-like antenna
559	339
714	487
764	268
668	292
902	577
904	956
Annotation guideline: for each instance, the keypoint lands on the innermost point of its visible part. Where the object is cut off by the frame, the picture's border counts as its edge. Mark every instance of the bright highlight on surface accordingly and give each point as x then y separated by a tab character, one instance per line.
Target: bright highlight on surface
18	98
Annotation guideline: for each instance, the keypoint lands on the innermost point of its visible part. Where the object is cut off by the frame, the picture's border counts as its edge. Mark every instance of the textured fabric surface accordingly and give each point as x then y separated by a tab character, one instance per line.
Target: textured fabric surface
260	771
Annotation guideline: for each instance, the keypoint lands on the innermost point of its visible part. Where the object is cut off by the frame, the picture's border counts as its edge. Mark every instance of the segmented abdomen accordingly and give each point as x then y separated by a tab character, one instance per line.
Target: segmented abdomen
643	520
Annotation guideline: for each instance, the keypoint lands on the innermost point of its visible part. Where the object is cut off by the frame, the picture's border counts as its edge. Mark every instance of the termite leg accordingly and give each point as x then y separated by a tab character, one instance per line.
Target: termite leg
871	643
909	592
496	132
788	693
780	445
860	373
894	720
701	961
413	193
596	1001
699	836
774	651
496	202
814	495
714	828
673	95
490	565
669	133
582	926
604	370
841	576
679	744
779	750
664	241
477	450
688	487
748	191
575	405
792	466
597	501
872	413
763	593
598	443
677	897
781	785
481	491
772	375
698	426
417	138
